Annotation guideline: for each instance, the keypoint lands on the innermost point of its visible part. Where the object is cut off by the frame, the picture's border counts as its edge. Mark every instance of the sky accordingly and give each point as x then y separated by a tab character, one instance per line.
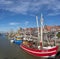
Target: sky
22	13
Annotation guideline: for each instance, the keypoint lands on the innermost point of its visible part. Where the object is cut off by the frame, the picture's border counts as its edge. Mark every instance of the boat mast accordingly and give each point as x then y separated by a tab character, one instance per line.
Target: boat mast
41	21
38	30
25	34
30	33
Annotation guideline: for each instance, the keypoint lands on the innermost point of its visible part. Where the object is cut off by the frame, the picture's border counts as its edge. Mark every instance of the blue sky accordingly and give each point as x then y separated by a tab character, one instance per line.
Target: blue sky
22	13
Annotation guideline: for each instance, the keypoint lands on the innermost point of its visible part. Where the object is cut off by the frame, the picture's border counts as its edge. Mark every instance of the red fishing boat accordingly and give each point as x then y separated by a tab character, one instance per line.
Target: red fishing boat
48	51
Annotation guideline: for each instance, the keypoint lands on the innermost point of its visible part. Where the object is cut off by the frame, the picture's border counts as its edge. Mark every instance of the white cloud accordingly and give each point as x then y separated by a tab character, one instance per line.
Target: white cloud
29	6
53	14
26	23
14	23
6	2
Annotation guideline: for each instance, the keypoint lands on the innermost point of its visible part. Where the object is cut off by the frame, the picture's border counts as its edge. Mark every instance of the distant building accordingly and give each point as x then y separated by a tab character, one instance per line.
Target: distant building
47	30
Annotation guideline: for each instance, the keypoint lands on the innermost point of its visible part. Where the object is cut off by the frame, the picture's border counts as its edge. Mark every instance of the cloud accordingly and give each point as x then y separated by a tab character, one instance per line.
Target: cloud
31	7
5	2
26	23
53	14
14	23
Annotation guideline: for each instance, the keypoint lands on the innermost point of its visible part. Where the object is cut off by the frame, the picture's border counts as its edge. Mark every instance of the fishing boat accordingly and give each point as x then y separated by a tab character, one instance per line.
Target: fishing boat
18	40
41	51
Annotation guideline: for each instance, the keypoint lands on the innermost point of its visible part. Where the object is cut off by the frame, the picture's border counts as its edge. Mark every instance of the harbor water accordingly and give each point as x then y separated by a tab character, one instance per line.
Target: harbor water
12	51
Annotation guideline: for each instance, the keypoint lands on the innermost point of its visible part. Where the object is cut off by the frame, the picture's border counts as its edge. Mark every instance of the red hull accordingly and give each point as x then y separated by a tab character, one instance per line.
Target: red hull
40	53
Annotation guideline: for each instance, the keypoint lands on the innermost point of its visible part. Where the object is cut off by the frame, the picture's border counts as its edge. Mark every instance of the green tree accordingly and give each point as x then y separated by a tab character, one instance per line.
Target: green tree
58	35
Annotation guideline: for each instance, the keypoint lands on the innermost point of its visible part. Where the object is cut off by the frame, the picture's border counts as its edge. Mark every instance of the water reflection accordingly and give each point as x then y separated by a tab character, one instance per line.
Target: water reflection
12	51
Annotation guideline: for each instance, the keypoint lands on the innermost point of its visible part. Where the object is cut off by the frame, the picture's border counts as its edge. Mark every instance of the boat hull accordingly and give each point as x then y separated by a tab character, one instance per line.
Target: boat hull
18	42
40	53
11	41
